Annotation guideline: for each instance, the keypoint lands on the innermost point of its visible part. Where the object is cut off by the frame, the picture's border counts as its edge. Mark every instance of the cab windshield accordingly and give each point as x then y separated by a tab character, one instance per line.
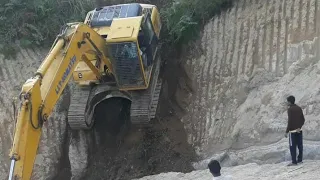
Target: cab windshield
126	63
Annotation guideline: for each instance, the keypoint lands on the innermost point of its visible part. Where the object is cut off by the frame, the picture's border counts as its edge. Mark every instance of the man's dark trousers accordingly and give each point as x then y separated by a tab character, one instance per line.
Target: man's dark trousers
295	140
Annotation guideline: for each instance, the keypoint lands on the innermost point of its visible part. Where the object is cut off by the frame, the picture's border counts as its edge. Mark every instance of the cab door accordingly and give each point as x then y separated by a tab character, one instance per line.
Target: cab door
148	40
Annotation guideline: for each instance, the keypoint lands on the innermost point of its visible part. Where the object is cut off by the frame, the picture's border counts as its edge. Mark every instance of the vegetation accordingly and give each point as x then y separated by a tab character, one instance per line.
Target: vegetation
184	18
29	23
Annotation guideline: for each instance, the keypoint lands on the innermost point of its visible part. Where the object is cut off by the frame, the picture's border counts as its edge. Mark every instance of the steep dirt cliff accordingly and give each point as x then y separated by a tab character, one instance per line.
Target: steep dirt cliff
235	79
13	73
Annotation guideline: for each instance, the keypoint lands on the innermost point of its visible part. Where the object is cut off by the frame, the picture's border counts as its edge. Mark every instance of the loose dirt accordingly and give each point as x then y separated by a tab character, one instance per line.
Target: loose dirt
162	147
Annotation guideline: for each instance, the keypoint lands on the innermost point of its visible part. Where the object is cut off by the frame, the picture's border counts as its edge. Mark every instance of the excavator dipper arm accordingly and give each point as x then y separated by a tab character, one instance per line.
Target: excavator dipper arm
40	93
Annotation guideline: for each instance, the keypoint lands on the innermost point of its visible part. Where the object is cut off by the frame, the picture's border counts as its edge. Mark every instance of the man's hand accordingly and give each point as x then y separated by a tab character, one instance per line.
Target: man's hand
286	135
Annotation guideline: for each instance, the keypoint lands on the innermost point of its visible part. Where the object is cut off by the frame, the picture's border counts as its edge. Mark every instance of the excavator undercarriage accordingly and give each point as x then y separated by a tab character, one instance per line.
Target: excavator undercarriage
143	102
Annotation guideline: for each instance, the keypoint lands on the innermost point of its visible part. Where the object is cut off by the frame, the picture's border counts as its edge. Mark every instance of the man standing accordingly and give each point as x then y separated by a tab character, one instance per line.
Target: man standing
214	167
295	122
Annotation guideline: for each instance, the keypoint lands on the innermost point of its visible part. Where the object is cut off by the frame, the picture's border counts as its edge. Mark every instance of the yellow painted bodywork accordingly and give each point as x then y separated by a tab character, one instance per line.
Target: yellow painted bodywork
45	89
155	17
26	138
72	55
122	30
128	33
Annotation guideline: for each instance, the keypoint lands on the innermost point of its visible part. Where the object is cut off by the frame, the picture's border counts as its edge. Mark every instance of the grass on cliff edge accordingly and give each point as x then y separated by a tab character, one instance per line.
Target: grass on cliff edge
32	23
184	18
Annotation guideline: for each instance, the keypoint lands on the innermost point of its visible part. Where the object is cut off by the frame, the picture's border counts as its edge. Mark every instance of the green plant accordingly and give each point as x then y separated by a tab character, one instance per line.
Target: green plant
30	23
184	18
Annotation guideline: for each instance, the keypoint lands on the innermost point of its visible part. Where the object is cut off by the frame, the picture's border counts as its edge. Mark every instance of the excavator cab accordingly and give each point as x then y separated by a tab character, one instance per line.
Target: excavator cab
131	48
131	32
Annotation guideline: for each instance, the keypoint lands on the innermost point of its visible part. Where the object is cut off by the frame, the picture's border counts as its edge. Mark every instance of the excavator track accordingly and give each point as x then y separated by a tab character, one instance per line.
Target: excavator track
77	109
155	99
145	102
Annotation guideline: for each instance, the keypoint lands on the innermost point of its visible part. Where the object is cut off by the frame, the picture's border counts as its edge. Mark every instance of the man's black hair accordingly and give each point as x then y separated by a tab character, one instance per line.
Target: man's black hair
291	99
214	167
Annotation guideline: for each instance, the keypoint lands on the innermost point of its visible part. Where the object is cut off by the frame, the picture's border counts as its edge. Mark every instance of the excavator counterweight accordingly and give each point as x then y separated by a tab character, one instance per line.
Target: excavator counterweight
113	53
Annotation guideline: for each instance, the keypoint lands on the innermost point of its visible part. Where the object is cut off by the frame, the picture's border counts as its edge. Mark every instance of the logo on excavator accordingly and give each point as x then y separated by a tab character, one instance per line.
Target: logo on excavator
65	74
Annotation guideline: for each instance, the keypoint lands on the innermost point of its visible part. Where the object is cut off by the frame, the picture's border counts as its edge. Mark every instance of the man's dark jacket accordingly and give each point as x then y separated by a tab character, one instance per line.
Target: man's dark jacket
295	118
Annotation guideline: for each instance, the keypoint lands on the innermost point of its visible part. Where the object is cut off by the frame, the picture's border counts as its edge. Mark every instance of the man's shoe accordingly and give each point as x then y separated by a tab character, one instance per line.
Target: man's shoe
292	164
299	162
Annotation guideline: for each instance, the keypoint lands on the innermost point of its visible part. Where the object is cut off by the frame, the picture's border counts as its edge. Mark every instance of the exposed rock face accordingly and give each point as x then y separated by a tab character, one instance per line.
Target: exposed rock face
250	59
13	73
78	153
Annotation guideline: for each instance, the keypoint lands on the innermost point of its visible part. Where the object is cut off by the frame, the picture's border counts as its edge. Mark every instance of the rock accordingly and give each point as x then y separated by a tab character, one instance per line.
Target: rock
78	154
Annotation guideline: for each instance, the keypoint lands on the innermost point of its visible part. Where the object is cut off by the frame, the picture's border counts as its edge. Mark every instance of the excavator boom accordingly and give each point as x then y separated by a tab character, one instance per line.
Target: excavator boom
40	93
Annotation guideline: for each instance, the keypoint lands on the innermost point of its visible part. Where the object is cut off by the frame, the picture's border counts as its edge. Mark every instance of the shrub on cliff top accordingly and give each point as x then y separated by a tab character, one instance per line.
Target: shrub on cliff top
184	18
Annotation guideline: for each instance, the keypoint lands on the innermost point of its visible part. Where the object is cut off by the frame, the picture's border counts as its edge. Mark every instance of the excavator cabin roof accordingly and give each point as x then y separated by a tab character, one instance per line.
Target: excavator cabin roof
104	16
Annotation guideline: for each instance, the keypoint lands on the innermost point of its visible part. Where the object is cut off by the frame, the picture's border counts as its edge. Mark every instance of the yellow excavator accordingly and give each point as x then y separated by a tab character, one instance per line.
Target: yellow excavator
113	53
